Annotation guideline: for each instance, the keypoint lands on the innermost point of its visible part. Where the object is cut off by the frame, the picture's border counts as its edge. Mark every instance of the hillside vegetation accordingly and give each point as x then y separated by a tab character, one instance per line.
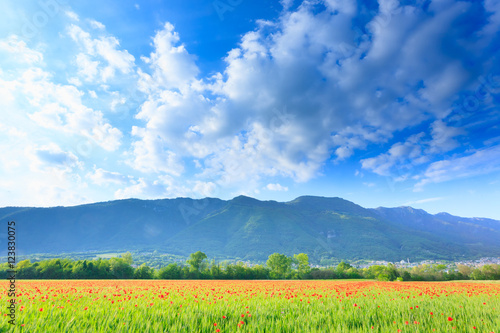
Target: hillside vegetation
250	229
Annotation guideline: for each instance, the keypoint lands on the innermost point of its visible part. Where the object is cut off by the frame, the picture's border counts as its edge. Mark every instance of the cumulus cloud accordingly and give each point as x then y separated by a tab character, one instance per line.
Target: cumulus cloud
60	107
172	65
54	106
343	87
103	50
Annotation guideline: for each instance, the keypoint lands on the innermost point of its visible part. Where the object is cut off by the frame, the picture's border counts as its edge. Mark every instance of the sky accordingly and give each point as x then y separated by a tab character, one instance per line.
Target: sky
383	103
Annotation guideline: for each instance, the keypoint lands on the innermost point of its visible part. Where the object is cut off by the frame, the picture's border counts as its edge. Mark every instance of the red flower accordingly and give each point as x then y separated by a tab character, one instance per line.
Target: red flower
217	330
215	324
41	309
223	317
450	319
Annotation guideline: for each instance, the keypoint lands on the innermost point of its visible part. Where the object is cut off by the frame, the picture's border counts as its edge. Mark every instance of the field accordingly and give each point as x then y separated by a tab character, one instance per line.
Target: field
253	306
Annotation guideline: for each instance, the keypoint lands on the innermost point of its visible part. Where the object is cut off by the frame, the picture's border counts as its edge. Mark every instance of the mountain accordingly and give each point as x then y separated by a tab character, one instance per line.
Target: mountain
250	229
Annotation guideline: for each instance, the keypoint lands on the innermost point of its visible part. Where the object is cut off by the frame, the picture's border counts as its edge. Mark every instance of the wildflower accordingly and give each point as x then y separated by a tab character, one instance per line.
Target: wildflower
450	319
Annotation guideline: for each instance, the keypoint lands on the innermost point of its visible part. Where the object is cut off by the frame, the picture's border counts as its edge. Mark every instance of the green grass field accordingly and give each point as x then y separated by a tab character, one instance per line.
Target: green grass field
253	306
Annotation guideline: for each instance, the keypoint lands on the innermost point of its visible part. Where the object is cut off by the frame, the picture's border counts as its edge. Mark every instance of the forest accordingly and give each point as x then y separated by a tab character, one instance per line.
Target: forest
278	266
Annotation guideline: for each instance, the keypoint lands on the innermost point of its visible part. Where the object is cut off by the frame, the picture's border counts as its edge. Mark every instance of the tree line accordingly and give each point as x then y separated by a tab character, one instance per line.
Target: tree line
278	266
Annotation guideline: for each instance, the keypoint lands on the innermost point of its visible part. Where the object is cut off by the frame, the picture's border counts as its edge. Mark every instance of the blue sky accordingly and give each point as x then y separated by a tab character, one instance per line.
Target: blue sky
384	103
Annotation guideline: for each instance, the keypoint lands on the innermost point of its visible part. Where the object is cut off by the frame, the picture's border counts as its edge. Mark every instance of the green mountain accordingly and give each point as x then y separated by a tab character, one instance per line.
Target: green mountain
250	229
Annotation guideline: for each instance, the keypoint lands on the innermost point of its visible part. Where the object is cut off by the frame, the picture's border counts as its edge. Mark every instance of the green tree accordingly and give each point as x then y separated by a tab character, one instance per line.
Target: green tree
477	274
127	258
120	269
465	270
144	272
342	269
171	272
195	260
303	268
280	265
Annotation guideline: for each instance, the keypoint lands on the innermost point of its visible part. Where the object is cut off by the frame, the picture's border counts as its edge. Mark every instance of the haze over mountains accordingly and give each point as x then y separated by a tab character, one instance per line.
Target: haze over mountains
250	229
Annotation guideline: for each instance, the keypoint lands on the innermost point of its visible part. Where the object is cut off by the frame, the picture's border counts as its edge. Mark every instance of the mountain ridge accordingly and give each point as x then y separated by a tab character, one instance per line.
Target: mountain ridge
247	228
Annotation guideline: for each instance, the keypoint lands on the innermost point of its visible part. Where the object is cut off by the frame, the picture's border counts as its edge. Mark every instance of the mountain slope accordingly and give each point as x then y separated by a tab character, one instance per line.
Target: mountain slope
251	229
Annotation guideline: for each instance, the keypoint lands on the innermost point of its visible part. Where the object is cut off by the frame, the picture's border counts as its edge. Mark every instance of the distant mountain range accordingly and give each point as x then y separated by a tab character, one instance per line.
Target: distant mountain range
250	229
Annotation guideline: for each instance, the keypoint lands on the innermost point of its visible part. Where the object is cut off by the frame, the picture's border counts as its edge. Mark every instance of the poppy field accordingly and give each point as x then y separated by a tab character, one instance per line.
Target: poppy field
253	306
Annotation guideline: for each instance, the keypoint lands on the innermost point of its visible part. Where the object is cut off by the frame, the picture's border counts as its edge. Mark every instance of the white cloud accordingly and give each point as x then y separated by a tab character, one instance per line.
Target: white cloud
105	51
422	201
416	150
51	157
87	69
104	177
72	15
60	107
286	4
162	187
443	137
480	162
32	92
205	189
15	46
342	91
172	65
97	25
405	155
276	187
152	155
